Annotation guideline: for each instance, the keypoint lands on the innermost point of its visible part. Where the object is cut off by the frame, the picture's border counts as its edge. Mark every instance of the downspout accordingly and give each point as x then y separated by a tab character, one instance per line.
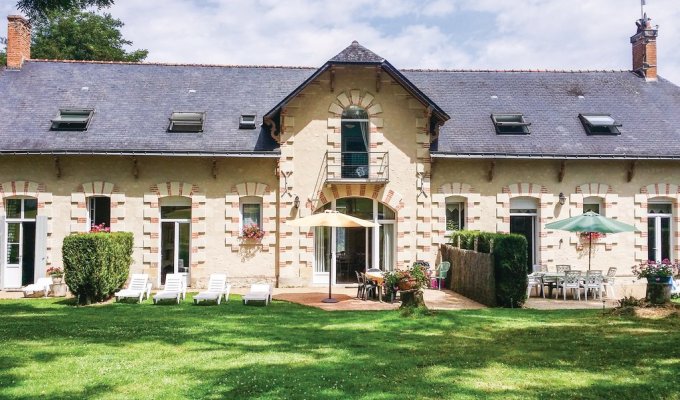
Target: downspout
277	254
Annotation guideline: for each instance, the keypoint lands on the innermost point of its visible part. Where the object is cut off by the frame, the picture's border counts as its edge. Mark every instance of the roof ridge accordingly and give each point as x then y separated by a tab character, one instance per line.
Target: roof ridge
42	60
560	71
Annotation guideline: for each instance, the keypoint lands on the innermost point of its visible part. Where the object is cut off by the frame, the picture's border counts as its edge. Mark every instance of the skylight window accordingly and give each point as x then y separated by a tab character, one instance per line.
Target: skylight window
186	122
72	120
510	124
599	124
247	121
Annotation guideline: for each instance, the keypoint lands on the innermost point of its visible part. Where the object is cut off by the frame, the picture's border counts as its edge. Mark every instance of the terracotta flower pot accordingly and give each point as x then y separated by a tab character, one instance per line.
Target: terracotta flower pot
407	284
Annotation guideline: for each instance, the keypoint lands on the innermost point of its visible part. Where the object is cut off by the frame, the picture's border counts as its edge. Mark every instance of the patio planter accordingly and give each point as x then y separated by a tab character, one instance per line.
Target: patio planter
659	289
412	298
406	284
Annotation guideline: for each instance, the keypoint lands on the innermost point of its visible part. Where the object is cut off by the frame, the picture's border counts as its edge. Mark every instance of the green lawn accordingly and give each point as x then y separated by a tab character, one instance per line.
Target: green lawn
49	349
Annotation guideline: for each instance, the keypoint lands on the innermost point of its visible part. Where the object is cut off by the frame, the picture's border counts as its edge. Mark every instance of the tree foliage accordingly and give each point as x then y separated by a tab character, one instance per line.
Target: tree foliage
82	35
3	52
39	9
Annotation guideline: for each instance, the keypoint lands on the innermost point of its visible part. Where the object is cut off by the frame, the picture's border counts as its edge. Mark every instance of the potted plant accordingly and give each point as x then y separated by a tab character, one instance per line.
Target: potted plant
659	276
391	283
252	231
56	273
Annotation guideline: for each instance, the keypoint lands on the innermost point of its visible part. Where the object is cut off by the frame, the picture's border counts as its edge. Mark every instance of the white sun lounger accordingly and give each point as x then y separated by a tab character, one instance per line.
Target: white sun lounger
174	288
138	288
259	291
217	287
42	285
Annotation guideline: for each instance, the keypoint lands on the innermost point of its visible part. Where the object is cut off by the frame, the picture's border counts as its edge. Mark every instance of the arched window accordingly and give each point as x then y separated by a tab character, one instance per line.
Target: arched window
355	142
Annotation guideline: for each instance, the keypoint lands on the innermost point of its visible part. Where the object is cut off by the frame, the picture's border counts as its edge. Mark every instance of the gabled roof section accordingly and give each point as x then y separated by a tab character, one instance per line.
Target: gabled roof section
356	54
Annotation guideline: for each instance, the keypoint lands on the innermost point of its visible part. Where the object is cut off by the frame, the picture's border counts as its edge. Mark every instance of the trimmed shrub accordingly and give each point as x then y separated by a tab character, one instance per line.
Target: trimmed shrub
96	264
510	262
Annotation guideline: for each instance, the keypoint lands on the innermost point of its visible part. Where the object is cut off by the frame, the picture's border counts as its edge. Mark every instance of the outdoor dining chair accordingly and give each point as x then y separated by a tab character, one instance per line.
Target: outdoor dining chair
535	281
608	281
442	271
360	285
571	280
370	287
563	268
593	281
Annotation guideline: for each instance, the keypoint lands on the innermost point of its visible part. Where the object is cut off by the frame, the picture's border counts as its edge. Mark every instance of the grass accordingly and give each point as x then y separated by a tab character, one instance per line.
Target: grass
50	349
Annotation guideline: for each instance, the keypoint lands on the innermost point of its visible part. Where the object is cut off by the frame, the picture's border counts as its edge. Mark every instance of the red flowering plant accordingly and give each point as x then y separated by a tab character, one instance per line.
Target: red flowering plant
588	236
656	269
252	231
55	272
101	228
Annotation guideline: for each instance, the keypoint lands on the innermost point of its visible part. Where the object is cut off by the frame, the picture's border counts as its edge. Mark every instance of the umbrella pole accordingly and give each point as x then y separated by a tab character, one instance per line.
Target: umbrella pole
330	298
590	247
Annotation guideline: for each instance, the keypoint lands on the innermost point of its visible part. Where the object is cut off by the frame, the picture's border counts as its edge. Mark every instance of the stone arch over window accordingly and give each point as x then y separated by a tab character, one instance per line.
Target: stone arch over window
233	214
608	200
151	243
546	243
36	190
656	191
406	228
79	210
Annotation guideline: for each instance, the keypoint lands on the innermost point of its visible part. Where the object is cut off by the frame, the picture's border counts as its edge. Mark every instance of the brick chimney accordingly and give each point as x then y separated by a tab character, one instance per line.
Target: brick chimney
18	41
644	48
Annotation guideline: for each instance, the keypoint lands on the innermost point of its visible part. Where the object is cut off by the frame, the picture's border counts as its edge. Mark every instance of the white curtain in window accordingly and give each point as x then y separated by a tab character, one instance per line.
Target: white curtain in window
363	125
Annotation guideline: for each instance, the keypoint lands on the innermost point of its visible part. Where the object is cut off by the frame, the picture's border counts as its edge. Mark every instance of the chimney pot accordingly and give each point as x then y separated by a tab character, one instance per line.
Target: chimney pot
18	41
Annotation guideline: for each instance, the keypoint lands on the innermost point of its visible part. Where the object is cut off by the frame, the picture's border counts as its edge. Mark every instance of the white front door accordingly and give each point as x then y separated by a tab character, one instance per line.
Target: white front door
19	241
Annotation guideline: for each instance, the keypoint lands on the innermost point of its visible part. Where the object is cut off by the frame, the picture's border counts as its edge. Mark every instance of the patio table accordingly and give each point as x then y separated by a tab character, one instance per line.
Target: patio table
378	278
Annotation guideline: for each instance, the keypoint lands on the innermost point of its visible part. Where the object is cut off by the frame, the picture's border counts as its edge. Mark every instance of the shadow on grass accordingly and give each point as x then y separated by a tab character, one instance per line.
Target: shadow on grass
290	351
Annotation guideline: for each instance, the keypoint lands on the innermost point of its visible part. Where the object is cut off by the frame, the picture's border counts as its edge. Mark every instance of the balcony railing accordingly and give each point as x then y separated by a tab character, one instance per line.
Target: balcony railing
357	166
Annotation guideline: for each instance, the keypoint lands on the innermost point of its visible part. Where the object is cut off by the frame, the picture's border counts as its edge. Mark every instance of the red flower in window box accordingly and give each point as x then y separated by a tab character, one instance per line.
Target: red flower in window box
252	231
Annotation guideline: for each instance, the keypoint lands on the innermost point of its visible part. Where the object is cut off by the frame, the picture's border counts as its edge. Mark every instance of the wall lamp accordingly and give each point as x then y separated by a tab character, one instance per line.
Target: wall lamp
296	202
563	199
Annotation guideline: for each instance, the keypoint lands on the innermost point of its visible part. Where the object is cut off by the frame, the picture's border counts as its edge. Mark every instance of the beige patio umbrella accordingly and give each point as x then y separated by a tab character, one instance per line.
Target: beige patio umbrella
336	219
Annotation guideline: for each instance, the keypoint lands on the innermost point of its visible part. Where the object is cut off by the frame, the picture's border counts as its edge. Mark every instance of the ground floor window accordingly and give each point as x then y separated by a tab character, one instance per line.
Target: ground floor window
659	216
523	221
344	252
99	211
455	214
251	211
593	204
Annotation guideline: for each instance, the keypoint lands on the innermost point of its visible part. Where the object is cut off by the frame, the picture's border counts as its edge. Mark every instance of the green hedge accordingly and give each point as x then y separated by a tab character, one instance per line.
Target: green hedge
96	264
510	262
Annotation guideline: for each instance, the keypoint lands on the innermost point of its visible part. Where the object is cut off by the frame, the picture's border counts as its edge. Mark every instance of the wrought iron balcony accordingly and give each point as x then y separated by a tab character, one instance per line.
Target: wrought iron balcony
357	166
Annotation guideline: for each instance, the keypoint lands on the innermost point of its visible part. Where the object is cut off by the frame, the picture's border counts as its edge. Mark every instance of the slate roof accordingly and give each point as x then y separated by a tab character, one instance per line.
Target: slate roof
357	54
133	102
648	111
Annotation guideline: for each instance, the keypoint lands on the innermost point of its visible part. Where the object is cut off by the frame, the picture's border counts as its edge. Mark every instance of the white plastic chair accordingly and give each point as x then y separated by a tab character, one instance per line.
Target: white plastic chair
42	285
571	280
593	281
259	291
608	282
217	287
174	286
138	288
535	281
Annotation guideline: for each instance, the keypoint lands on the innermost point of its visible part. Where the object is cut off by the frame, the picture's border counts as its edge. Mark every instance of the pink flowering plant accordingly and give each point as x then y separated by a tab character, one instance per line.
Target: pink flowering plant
55	272
100	228
653	269
252	231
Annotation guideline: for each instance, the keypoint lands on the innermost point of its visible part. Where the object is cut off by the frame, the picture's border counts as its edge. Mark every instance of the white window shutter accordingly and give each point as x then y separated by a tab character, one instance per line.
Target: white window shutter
40	247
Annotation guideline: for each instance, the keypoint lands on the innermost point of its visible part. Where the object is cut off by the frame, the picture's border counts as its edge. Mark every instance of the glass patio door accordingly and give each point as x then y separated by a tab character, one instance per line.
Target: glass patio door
175	237
659	231
20	241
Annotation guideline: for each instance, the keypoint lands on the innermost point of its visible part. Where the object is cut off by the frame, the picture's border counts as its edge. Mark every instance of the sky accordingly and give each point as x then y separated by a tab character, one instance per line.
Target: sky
427	34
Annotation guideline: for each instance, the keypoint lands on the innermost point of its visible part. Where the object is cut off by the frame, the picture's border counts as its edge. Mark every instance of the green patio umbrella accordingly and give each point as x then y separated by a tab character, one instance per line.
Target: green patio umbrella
590	222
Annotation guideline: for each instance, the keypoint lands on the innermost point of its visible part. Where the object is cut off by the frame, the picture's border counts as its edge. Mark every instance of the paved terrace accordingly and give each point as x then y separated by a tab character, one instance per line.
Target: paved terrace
435	300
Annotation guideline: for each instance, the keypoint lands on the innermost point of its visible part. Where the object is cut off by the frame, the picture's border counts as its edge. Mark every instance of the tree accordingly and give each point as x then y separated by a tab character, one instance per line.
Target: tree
40	9
3	52
81	35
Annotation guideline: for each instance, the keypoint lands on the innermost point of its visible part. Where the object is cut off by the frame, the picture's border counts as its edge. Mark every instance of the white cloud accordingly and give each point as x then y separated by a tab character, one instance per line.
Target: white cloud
499	34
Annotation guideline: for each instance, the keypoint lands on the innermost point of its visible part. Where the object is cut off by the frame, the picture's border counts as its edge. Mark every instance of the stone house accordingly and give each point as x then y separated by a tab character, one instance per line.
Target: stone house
186	156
